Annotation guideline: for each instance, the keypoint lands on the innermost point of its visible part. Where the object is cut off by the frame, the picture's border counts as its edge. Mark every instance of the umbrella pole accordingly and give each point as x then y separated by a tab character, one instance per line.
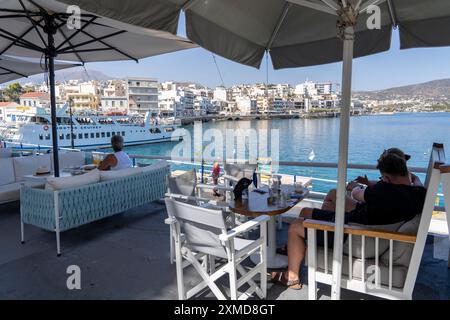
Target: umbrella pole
50	29
343	160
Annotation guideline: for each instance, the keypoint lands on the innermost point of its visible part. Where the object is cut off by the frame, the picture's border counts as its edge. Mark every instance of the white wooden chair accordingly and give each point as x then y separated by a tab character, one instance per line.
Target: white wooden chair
185	188
379	262
201	233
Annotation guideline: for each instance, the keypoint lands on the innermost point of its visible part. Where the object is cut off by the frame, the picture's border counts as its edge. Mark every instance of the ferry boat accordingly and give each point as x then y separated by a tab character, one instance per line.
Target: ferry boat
88	131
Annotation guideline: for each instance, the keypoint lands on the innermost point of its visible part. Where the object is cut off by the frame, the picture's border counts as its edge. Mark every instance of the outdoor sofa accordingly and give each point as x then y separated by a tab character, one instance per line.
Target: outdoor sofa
69	202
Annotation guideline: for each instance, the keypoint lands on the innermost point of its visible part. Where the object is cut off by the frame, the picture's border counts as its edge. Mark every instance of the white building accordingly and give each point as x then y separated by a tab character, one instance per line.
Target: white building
175	100
142	95
5	108
222	94
112	103
35	99
246	105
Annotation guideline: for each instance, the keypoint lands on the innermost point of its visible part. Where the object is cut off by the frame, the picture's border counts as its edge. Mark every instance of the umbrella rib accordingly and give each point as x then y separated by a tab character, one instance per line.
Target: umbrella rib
111	47
27	12
24	43
392	13
12	71
188	4
67	40
76	54
18	38
369	3
315	6
283	15
81	44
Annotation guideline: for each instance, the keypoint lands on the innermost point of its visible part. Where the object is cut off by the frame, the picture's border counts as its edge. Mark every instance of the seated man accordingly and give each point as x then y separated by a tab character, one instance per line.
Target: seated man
393	199
119	159
329	202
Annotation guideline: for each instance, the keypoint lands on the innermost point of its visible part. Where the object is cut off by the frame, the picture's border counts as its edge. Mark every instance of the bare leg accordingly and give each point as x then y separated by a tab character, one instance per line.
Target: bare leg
329	203
296	248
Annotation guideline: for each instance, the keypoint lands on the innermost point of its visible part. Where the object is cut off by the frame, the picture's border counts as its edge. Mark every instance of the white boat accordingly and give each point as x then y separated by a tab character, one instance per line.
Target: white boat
89	131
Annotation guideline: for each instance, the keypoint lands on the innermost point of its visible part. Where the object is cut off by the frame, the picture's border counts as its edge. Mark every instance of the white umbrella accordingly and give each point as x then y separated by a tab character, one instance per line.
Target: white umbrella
296	33
13	69
46	28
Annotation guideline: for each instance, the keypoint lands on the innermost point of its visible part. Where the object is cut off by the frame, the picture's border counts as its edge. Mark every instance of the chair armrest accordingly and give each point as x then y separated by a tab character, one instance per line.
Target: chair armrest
244	227
170	221
227	177
212	186
361	231
183	197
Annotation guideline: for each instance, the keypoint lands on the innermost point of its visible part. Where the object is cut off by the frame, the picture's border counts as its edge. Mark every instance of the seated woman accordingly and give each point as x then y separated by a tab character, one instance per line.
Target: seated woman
393	199
117	160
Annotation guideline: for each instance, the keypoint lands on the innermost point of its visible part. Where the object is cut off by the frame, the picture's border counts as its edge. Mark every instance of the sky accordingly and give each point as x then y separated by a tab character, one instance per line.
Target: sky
392	68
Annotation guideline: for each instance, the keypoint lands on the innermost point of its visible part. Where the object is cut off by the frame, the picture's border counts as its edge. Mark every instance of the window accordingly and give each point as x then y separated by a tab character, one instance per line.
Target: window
86	135
103	134
61	136
92	135
41	137
80	136
74	136
113	133
68	136
156	130
123	133
97	134
47	136
108	134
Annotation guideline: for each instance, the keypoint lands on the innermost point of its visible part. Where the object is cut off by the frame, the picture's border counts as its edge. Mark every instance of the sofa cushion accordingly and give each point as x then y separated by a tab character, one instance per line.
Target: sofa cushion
5	152
155	166
70	159
62	183
398	272
369	250
6	171
11	192
116	174
28	165
402	252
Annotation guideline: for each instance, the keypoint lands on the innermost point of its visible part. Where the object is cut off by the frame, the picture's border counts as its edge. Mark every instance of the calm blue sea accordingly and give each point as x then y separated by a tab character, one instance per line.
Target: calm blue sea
369	136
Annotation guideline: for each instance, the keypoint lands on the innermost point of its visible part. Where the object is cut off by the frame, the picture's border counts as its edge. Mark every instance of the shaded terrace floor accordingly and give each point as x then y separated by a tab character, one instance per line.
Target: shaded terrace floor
127	257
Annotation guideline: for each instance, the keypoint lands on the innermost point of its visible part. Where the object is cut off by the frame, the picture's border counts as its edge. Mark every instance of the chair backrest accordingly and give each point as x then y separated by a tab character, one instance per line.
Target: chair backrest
240	170
183	184
437	156
432	180
201	227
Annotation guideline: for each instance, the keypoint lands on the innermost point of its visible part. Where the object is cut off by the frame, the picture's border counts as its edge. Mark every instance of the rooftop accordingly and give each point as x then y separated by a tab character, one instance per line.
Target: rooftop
35	95
127	257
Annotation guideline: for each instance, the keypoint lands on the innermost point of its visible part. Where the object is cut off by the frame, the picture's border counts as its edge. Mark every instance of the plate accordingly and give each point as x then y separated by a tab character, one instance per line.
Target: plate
89	167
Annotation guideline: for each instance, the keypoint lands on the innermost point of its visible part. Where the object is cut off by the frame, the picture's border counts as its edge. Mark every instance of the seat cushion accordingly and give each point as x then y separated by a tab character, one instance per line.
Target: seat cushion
369	248
62	183
28	165
402	251
70	159
5	152
11	192
155	166
6	171
399	272
116	174
183	184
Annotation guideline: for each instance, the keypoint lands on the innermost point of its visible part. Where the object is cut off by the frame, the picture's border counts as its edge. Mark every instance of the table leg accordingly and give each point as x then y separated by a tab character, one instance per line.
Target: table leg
274	260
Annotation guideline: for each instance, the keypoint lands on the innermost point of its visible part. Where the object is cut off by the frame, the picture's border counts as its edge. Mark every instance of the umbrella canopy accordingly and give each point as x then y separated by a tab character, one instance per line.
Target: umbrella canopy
47	28
12	68
296	32
23	33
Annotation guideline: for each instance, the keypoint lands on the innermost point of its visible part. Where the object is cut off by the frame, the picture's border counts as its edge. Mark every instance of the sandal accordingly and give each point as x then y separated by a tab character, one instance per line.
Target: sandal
283	250
279	278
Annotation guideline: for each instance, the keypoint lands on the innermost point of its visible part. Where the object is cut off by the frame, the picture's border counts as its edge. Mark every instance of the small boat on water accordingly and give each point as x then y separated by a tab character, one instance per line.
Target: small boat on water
89	131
